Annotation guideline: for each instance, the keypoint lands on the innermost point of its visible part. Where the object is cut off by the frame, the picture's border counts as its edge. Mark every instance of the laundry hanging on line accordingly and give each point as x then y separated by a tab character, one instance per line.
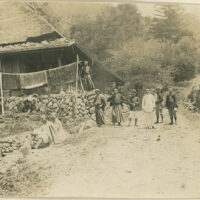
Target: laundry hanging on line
10	81
59	75
33	80
62	74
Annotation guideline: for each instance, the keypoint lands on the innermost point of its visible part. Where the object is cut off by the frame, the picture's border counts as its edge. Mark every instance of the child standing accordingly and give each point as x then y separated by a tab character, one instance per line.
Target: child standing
134	103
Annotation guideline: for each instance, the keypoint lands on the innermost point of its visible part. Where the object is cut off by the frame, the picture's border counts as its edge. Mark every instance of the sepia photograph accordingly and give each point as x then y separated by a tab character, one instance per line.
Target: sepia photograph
99	99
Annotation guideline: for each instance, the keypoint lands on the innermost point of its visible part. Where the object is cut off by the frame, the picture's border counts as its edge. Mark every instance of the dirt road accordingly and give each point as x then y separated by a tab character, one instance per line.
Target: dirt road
132	162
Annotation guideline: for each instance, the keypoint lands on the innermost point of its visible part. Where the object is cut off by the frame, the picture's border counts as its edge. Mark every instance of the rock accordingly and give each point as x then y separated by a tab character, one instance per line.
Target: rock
91	101
91	97
50	104
55	105
92	110
45	96
45	101
93	117
90	93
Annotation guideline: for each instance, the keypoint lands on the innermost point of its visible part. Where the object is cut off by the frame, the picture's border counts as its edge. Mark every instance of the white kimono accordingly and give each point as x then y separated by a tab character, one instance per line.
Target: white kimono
148	105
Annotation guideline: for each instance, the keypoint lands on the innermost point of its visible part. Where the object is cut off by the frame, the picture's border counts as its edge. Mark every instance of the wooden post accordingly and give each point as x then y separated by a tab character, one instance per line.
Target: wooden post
80	78
2	100
59	61
76	86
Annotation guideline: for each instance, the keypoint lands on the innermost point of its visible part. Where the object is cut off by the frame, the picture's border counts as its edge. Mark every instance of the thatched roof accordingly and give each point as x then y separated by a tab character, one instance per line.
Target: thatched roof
35	46
18	23
22	30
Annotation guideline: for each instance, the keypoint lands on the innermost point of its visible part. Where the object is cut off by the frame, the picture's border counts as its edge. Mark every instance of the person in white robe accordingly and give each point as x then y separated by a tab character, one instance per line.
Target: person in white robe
50	132
148	106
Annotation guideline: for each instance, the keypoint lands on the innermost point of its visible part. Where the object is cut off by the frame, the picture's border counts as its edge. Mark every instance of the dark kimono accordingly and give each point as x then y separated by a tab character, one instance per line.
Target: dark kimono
100	104
159	105
87	78
116	102
171	104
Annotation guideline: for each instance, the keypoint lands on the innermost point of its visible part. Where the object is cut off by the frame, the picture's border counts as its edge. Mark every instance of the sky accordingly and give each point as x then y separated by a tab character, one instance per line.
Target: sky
147	9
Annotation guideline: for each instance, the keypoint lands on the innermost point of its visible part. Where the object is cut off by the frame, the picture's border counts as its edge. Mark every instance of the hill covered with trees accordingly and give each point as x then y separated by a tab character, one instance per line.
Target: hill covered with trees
163	49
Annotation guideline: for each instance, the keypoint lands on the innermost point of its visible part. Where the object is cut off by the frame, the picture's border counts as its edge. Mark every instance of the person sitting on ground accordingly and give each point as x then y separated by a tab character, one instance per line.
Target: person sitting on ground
42	137
58	132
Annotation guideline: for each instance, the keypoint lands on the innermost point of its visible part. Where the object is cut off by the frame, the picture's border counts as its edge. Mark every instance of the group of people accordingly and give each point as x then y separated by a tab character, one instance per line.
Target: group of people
152	102
52	130
116	101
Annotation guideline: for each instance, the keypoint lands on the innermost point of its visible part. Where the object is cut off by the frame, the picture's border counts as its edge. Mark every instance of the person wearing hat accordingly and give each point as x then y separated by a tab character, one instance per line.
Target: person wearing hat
87	76
148	106
100	104
134	103
159	101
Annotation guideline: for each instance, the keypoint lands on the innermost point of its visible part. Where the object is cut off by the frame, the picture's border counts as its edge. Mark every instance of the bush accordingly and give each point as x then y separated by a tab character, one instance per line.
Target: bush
154	63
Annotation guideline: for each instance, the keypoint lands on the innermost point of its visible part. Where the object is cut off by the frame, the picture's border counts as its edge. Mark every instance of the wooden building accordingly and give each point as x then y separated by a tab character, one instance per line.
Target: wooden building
29	45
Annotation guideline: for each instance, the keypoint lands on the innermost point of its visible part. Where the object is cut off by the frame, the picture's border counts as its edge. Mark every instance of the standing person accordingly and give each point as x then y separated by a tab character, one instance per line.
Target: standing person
100	104
116	101
134	103
159	101
172	106
148	106
87	76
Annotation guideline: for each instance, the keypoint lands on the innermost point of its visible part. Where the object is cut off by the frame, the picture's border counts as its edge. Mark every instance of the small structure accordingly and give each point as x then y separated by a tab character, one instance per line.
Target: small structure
29	48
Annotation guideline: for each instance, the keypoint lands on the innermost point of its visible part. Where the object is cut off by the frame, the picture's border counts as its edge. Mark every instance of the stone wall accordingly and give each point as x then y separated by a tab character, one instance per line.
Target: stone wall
63	104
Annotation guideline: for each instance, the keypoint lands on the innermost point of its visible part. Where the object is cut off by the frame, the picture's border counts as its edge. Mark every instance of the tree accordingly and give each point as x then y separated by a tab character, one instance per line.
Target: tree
110	30
185	59
168	23
139	61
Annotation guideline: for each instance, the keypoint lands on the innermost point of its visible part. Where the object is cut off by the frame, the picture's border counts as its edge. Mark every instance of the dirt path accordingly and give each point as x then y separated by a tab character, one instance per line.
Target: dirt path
130	162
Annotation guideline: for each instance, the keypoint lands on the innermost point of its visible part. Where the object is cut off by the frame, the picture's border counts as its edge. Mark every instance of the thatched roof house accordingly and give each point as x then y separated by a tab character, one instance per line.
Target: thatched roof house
28	45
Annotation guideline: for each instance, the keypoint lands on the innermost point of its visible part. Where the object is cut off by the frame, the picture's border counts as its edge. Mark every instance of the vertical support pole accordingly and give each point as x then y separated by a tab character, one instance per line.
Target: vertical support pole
59	61
76	86
1	70
80	78
21	71
2	100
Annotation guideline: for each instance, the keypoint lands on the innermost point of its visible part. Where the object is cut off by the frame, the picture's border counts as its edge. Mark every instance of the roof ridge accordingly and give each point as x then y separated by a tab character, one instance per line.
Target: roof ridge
26	24
43	19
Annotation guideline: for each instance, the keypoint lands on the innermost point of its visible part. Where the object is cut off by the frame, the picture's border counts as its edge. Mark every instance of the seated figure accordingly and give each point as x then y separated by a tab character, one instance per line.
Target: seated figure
50	132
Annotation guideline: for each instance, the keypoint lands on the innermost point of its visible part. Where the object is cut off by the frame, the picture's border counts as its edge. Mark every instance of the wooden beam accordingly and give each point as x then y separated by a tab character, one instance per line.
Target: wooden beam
0	65
2	100
59	61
